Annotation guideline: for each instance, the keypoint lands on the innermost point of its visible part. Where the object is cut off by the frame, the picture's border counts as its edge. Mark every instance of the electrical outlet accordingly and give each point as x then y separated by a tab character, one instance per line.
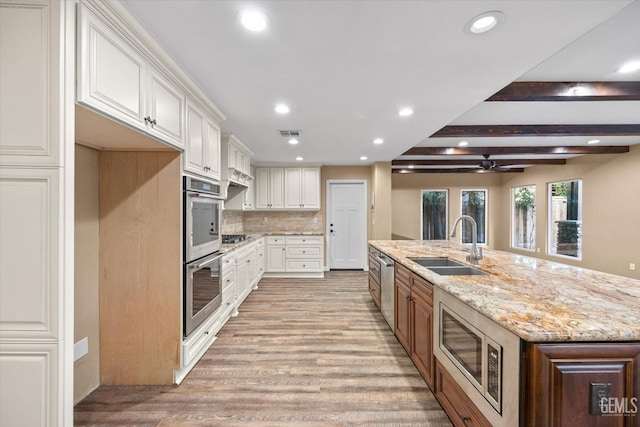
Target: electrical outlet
315	219
632	267
266	219
598	392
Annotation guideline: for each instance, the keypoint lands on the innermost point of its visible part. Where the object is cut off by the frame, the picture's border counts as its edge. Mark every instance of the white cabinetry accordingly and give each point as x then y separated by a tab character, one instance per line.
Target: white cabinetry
236	173
202	151
295	256
302	188
36	209
115	78
269	188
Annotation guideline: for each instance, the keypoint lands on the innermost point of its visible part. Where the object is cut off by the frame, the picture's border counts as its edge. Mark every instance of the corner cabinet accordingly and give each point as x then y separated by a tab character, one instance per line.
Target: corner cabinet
269	188
565	384
116	79
287	188
202	151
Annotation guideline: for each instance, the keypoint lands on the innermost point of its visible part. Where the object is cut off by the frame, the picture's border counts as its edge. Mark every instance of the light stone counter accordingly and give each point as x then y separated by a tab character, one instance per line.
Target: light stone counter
538	300
228	247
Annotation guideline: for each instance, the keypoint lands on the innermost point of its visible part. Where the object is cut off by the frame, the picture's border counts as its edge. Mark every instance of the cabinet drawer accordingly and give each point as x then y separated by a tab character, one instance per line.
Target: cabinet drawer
198	343
303	265
403	275
275	240
373	251
455	402
304	251
374	290
422	287
374	268
304	240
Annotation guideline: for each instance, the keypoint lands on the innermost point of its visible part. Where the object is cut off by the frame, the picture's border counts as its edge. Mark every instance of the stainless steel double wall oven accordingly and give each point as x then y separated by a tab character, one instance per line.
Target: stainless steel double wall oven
202	241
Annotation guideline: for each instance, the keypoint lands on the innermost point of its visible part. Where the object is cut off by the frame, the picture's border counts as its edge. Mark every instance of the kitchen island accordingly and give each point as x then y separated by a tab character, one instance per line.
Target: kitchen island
579	331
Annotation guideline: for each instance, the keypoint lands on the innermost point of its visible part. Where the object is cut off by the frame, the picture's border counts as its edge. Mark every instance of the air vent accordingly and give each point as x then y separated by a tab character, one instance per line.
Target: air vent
289	133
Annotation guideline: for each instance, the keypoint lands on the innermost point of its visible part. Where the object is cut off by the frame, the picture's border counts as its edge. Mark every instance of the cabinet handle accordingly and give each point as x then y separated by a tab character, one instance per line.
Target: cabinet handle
408	298
465	419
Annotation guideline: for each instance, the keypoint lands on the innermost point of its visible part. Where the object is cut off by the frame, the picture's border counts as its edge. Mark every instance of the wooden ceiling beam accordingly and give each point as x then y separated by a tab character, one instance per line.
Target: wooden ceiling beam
457	170
467	151
501	162
569	91
499	131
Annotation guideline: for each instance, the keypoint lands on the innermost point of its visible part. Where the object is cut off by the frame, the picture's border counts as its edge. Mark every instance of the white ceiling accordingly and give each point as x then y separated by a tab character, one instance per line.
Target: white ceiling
346	67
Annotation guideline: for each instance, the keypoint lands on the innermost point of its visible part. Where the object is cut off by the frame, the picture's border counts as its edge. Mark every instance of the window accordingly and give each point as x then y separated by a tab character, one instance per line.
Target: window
474	204
565	218
523	220
435	206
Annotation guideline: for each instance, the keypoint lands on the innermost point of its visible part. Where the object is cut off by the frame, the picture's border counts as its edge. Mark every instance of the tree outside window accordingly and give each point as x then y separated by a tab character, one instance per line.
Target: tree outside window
435	205
474	204
565	218
523	222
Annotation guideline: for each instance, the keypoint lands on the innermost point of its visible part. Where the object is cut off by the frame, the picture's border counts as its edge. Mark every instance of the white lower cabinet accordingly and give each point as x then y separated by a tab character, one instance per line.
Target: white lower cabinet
300	256
240	271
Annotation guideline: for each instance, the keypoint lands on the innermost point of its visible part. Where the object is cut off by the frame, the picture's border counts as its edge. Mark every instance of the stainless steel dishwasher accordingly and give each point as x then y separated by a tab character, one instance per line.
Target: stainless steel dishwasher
387	305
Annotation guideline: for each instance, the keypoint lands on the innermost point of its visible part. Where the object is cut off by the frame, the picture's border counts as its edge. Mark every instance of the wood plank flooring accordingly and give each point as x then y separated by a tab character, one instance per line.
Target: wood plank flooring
302	352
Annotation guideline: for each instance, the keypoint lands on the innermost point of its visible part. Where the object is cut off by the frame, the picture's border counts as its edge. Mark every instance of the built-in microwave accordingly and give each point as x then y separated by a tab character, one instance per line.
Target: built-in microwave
203	291
482	356
202	217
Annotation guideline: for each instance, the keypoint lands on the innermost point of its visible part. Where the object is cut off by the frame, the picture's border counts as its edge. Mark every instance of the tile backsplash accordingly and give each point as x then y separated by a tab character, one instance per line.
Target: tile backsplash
267	221
232	222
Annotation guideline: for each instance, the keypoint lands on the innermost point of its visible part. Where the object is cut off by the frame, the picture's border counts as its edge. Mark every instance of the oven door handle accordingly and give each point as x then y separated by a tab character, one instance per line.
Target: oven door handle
203	196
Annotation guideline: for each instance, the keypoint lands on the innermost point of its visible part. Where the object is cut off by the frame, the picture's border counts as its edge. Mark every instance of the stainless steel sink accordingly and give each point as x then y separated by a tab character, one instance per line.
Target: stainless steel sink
462	270
437	262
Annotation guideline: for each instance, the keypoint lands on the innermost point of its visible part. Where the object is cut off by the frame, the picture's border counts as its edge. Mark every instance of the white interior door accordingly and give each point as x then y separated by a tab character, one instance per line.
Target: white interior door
346	224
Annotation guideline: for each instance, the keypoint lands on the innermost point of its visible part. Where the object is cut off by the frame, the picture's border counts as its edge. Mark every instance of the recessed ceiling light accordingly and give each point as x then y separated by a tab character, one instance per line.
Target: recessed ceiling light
593	141
484	22
299	158
293	141
378	141
281	109
411	166
629	67
463	144
253	20
404	112
363	158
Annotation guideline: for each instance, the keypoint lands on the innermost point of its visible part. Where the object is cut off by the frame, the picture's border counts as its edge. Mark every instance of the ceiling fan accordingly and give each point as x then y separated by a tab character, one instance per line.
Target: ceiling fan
487	165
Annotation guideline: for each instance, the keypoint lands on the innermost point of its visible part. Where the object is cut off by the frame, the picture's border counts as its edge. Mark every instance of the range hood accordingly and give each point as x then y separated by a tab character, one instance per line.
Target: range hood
234	182
235	176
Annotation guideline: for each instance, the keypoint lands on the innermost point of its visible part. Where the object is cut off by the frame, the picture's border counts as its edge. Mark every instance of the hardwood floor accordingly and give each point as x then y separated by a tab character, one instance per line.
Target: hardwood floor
302	352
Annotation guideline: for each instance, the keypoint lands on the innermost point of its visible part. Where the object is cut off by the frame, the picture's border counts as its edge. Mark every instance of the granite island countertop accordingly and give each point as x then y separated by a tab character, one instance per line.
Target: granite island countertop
538	300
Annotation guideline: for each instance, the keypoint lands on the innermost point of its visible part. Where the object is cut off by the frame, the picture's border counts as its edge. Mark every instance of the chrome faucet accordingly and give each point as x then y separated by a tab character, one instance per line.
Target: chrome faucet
476	252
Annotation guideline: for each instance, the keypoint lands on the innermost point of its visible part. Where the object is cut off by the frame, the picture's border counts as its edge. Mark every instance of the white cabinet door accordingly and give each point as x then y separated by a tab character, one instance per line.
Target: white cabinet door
166	109
194	154
250	195
293	188
276	258
262	188
276	187
212	149
310	188
112	75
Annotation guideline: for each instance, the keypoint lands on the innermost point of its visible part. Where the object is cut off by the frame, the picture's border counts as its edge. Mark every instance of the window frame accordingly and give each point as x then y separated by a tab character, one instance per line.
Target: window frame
486	215
446	219
513	214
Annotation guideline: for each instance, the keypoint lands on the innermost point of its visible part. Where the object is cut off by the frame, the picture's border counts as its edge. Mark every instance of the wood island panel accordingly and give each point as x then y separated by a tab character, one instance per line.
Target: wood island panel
140	267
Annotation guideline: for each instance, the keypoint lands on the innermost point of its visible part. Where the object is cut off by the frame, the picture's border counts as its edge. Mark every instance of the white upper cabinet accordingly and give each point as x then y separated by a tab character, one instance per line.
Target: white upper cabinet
116	79
202	151
269	188
165	117
302	188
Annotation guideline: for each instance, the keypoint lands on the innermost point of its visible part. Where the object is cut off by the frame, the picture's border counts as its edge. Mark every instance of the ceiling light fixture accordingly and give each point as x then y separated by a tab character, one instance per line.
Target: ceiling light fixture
378	141
463	144
411	166
299	158
293	141
405	112
484	22
629	67
253	20
363	158
281	109
593	141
